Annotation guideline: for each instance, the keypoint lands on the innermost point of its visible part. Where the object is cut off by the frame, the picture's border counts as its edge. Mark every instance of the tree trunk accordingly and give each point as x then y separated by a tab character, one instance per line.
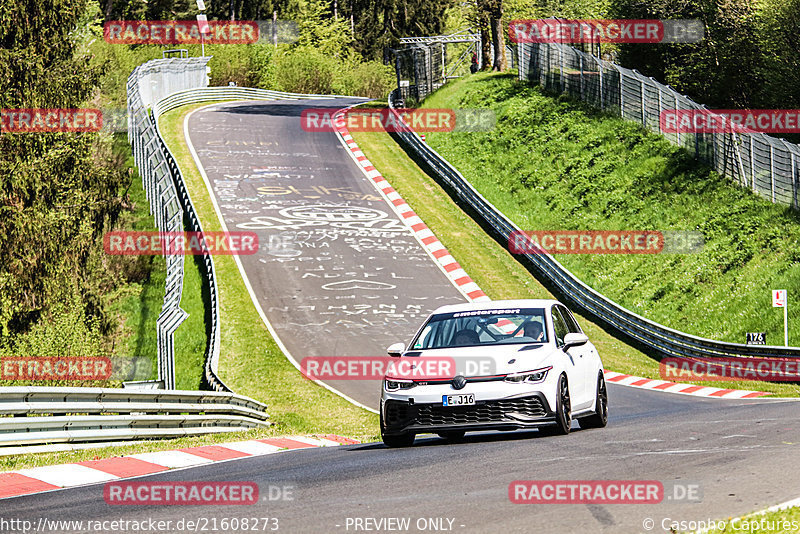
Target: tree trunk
498	39
486	52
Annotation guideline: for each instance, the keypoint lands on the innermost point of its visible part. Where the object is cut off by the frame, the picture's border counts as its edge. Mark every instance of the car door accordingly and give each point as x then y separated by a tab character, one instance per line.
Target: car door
591	358
575	373
584	387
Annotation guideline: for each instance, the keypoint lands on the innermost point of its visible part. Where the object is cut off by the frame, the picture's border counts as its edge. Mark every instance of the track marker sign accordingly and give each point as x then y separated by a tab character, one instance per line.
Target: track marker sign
780	300
756	338
205	29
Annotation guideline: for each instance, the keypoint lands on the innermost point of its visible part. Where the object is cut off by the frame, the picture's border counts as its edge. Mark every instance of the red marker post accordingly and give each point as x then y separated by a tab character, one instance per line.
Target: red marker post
205	29
780	300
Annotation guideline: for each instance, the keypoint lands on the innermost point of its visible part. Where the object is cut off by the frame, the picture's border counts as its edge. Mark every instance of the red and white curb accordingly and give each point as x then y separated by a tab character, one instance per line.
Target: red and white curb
448	264
675	387
53	477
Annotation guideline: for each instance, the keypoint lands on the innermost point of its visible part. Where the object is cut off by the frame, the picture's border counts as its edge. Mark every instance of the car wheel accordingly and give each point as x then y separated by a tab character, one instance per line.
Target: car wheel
452	435
600	417
406	439
563	411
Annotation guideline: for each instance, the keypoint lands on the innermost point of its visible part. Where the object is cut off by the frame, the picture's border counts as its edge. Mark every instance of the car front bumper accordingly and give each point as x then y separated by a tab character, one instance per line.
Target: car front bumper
529	410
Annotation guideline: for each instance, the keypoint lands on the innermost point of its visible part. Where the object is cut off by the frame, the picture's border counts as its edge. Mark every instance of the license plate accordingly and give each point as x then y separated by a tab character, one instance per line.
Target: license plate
458	400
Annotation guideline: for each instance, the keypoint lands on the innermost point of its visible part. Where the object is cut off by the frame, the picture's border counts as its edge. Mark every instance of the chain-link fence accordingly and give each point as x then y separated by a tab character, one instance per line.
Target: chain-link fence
658	338
149	83
765	164
426	63
420	70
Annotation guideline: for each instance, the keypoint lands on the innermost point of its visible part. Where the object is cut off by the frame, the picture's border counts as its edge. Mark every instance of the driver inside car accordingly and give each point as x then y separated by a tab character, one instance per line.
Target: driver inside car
533	330
465	338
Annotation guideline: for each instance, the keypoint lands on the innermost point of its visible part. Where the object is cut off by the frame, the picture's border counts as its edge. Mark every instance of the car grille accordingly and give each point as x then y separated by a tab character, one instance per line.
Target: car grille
402	414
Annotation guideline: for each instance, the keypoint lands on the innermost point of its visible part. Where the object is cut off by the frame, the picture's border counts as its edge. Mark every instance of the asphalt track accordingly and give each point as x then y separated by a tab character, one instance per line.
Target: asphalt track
338	273
740	453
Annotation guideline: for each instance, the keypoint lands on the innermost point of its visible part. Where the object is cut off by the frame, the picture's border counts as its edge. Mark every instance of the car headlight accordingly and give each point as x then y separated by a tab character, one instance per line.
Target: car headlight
395	384
529	377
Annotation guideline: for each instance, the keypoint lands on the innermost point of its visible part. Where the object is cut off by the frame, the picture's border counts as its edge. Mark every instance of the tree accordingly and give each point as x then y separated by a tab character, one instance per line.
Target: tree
380	24
56	196
494	11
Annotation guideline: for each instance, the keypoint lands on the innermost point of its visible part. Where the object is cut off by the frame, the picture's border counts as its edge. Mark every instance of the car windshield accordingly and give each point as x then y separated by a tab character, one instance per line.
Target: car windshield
482	327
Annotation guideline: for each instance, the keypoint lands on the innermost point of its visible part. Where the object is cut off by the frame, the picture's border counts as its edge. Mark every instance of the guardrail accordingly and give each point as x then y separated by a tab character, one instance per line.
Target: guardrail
166	84
658	338
147	83
196	96
36	415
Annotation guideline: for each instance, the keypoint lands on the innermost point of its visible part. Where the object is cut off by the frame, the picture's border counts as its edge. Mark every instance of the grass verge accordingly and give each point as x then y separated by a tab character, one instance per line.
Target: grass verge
777	522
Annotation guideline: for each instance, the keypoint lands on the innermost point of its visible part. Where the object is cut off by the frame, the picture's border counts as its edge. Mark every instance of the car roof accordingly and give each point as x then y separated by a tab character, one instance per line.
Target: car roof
496	305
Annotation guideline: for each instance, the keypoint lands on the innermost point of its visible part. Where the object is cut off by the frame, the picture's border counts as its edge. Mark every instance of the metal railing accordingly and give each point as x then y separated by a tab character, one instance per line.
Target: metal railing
33	415
657	338
767	165
424	64
196	96
164	85
147	84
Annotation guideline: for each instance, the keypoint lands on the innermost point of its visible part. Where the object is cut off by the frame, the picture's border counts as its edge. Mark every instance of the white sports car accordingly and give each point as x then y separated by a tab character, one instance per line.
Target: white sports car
500	365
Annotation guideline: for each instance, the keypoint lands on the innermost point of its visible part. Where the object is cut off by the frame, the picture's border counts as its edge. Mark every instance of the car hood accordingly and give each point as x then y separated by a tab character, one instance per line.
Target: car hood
488	360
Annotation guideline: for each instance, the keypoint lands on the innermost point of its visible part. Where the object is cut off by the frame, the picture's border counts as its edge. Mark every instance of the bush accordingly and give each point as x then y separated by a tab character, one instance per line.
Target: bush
369	78
304	70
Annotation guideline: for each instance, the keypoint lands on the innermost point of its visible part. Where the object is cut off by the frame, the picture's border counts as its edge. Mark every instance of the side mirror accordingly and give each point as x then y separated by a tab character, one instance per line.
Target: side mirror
396	349
573	339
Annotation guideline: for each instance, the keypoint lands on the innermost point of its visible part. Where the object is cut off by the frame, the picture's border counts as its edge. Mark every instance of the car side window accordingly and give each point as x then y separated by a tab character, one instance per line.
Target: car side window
559	326
572	324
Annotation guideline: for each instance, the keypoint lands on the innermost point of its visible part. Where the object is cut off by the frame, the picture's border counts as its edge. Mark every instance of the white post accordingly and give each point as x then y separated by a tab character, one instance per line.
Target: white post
786	321
780	299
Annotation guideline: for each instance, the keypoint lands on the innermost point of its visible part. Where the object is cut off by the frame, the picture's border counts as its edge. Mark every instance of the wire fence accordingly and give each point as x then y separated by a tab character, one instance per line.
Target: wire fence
164	85
147	84
767	165
420	69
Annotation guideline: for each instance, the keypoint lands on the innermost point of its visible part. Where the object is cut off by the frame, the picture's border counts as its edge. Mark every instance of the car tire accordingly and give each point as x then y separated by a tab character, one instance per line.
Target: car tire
600	417
406	439
563	411
452	435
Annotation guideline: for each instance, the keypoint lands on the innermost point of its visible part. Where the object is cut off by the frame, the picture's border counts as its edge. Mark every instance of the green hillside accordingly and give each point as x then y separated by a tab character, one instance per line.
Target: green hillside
555	164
